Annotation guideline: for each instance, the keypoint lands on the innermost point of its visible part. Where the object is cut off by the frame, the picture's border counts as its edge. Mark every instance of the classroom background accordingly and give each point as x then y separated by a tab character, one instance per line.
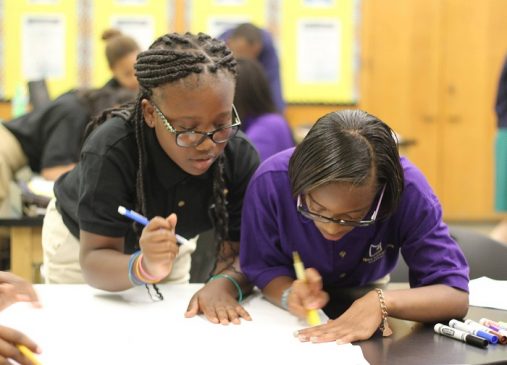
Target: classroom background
429	68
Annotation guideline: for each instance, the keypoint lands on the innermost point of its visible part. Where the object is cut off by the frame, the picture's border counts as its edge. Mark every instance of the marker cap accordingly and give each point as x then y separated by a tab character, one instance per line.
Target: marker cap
488	336
476	341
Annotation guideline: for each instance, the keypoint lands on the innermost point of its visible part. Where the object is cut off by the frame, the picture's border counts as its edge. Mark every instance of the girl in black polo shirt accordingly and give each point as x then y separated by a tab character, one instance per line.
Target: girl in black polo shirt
176	156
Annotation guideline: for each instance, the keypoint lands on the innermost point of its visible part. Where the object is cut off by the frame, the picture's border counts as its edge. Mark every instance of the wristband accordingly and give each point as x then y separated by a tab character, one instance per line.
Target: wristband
285	297
232	280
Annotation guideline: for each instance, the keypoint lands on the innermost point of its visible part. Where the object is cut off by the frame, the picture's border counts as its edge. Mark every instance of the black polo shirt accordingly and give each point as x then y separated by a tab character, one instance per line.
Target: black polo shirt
88	196
52	136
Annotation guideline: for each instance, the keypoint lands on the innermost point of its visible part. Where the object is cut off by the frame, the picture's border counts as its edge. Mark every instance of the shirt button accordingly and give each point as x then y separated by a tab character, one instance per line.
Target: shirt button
342	275
181	203
342	254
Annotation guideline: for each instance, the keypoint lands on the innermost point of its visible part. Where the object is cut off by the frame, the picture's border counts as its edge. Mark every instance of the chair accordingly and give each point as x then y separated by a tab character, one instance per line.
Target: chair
38	94
485	256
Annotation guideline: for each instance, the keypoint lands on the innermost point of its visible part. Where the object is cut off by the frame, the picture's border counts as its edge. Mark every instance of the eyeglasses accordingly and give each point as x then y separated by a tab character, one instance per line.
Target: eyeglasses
195	138
303	209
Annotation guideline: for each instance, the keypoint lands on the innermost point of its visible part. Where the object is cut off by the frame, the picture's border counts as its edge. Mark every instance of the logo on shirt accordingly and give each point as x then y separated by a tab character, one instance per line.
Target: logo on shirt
376	252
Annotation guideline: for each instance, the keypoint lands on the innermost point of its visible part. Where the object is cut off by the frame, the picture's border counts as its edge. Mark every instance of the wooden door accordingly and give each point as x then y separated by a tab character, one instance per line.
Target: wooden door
400	73
474	46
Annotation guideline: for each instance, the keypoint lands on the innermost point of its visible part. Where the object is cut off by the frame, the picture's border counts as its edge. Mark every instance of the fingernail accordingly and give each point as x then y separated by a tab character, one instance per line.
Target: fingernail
314	339
295	333
340	342
303	338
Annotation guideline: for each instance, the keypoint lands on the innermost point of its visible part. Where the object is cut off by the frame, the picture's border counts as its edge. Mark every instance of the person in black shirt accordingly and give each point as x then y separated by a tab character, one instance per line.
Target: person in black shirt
176	157
49	139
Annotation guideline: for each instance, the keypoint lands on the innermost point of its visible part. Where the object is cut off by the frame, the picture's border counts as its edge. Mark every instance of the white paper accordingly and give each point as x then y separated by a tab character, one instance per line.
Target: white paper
43	46
43	2
217	26
229	2
79	325
141	28
318	3
488	293
318	51
132	2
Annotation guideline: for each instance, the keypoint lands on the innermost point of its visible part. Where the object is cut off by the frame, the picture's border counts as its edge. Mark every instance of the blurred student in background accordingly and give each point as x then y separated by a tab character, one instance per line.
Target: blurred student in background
121	54
499	233
262	123
49	139
249	41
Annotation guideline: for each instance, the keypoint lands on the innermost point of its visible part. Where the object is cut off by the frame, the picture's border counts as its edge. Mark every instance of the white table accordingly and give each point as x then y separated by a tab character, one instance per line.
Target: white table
81	325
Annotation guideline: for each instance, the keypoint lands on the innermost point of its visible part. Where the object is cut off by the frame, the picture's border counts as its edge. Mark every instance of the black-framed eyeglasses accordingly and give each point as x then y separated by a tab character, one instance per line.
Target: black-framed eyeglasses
305	212
195	138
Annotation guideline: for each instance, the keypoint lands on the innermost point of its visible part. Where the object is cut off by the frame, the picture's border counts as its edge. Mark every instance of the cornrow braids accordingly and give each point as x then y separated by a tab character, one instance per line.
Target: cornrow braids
174	56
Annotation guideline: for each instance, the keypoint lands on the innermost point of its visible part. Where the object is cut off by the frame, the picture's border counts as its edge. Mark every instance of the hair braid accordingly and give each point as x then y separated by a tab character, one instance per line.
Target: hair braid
224	255
174	56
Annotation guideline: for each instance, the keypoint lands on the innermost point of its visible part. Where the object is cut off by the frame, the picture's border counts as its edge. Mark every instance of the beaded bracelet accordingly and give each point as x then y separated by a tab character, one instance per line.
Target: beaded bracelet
232	280
135	280
384	326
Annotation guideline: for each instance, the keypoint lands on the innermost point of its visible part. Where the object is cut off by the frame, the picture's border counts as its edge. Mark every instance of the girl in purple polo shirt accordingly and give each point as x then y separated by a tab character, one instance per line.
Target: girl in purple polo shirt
348	204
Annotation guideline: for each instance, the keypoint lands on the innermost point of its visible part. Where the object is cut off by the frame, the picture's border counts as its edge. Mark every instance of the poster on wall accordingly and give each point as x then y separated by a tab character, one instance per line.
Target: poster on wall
317	60
132	2
43	46
141	28
218	25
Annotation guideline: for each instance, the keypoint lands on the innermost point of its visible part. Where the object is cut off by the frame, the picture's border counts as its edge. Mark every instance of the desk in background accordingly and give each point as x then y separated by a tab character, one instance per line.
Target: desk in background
25	241
80	325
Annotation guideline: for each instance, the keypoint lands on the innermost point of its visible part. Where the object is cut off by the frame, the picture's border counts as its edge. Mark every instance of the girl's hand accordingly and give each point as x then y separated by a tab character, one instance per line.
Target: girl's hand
307	294
15	289
9	338
217	301
359	322
159	247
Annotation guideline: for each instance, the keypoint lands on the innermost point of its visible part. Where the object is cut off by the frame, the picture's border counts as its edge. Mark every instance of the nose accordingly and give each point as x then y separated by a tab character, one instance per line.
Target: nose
333	229
206	145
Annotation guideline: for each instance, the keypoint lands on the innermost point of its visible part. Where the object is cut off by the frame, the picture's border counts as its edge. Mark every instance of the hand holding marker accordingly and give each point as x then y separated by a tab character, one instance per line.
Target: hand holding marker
312	317
144	221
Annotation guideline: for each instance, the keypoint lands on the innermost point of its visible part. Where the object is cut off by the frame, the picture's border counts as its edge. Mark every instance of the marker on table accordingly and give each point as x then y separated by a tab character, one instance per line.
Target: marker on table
472	330
144	221
460	335
312	317
501	337
28	354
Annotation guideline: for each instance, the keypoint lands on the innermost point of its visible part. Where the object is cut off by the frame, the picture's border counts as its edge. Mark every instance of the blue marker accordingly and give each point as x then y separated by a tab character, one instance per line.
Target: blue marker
144	221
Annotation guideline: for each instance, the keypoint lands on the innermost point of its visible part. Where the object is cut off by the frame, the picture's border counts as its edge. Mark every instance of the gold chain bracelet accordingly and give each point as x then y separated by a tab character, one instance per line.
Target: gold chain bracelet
384	325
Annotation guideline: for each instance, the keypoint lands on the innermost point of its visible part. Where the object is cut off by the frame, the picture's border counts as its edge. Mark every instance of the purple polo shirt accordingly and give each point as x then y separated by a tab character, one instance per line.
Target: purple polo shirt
269	133
271	229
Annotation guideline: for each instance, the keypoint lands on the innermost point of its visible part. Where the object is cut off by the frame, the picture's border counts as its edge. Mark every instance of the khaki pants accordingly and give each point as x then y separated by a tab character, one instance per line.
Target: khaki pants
12	158
61	253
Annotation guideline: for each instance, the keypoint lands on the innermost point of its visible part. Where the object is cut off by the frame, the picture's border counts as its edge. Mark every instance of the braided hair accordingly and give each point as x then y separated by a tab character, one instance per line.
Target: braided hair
170	58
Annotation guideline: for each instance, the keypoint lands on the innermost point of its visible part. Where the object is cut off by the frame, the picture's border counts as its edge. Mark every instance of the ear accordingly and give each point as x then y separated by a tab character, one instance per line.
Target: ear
149	113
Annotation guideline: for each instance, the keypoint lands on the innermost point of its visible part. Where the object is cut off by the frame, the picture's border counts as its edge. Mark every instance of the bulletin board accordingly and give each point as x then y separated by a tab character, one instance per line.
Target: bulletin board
216	16
144	20
26	56
318	57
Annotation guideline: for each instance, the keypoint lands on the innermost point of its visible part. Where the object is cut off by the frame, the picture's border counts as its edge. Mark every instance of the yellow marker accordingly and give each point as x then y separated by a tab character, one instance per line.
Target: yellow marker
28	354
312	317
